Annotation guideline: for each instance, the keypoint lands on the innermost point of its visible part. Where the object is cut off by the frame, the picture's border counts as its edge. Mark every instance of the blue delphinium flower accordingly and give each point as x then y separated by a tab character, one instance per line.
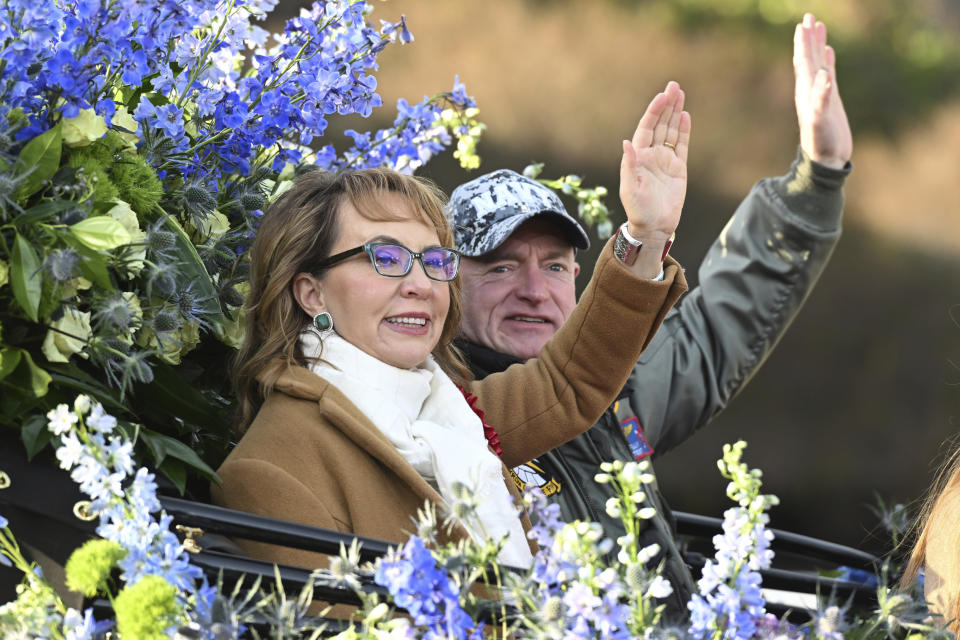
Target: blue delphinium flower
4	560
84	54
83	626
425	591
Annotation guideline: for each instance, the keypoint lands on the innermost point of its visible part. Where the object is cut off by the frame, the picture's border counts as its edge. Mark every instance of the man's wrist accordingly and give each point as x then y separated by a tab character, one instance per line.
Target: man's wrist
626	247
643	256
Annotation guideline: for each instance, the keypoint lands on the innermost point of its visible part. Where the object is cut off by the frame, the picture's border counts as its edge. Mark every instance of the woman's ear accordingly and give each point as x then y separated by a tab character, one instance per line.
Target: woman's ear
308	290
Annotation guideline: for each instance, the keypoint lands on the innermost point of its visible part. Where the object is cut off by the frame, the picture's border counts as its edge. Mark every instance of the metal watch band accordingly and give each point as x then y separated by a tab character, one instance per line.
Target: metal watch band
626	248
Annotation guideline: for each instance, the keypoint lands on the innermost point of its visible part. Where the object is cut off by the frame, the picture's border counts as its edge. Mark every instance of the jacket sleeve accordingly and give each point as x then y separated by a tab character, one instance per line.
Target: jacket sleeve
549	400
752	283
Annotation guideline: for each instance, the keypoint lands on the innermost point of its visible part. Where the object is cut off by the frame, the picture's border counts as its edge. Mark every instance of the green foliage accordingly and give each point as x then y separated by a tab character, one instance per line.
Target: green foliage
25	276
88	568
100	233
40	158
590	204
468	131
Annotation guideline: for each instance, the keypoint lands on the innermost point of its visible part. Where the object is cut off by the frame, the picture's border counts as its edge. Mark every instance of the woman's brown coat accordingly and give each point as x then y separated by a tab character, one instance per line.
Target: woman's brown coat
311	456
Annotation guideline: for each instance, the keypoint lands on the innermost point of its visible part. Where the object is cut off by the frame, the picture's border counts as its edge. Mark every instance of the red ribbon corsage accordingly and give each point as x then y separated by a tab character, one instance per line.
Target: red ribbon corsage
489	432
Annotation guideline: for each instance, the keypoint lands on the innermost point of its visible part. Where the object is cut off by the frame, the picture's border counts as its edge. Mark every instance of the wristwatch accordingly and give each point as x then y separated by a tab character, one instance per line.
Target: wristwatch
625	247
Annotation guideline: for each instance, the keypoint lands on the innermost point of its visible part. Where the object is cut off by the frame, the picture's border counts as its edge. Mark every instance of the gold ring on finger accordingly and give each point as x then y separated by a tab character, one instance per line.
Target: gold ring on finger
670	145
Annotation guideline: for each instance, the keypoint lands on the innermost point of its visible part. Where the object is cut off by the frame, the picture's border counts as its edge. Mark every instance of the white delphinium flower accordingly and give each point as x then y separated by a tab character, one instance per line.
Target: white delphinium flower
659	588
81	404
61	420
612	507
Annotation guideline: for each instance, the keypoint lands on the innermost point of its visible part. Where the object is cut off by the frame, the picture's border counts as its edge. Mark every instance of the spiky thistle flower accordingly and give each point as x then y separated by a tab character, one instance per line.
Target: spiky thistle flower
61	265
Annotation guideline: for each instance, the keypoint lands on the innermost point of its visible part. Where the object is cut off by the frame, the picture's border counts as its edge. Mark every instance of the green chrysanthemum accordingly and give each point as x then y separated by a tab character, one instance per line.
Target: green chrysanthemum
89	567
137	182
89	158
146	609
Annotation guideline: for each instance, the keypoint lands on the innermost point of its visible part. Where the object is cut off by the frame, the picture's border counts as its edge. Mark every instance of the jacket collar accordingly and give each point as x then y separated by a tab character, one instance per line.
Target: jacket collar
483	360
299	382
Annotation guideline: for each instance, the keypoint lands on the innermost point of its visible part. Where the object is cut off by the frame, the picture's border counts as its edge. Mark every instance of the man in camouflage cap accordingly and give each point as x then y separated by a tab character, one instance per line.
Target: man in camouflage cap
519	269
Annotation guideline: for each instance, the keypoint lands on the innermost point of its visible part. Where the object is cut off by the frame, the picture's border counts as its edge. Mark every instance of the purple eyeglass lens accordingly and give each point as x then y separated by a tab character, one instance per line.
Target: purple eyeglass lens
391	259
440	263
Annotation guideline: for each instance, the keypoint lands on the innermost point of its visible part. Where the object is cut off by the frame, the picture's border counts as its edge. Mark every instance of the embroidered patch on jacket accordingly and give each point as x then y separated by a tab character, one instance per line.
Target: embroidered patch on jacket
633	432
532	474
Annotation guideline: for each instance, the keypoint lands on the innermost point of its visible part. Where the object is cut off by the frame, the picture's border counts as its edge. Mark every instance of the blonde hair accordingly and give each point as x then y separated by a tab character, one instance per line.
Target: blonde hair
296	234
935	520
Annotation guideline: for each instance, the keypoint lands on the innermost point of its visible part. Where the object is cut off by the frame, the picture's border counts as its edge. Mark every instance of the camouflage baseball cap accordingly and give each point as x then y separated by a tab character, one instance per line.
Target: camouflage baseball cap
485	211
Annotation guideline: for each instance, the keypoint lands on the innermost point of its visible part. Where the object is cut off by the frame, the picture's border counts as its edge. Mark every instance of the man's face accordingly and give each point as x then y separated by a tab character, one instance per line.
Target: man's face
517	296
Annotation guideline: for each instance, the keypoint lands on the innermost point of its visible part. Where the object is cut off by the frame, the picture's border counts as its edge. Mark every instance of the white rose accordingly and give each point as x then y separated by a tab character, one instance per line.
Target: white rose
231	332
67	336
83	129
127	217
122	118
212	227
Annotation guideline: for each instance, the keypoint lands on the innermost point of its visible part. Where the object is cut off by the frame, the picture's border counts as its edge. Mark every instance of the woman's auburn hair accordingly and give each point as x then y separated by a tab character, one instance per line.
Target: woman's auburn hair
296	233
934	512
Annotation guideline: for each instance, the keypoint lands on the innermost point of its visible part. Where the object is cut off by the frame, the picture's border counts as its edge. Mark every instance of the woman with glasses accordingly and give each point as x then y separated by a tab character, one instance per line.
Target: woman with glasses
354	405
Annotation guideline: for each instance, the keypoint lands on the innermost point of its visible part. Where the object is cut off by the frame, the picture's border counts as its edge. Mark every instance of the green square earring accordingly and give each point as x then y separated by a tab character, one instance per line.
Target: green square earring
323	321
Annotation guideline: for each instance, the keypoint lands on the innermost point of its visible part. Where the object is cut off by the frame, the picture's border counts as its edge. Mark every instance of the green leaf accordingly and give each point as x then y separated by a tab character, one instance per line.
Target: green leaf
193	273
27	378
151	441
101	233
9	359
163	447
180	451
93	267
40	157
172	394
25	277
68	375
39	378
42	211
35	434
177	474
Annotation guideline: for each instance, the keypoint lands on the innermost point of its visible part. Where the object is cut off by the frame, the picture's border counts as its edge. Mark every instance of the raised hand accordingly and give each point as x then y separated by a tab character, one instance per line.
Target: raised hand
653	171
824	129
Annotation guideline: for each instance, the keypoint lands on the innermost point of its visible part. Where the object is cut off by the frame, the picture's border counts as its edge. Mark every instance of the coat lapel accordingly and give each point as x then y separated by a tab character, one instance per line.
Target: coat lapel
345	416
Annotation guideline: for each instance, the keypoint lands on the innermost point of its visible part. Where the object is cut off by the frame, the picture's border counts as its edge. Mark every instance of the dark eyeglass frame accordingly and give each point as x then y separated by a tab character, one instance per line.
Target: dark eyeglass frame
415	256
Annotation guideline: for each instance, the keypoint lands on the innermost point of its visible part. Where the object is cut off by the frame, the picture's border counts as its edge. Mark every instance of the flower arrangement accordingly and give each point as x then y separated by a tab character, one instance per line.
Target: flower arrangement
140	141
580	585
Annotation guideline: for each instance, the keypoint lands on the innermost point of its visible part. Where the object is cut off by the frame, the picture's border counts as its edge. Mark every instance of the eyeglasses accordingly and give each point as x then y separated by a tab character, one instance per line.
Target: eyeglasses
395	260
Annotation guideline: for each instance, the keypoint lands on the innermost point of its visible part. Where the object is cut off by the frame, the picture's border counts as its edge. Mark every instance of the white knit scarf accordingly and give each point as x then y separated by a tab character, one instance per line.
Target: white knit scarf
428	420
